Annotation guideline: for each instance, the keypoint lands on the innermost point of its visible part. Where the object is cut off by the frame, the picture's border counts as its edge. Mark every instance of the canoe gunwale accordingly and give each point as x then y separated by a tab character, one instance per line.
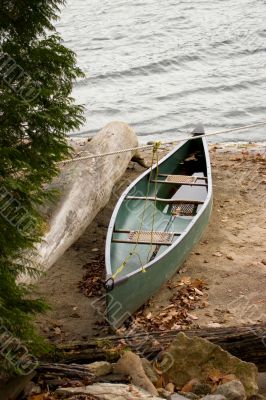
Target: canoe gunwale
205	204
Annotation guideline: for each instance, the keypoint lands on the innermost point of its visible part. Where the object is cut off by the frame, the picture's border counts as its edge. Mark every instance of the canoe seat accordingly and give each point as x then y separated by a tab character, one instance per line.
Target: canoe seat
151	236
148	237
181	179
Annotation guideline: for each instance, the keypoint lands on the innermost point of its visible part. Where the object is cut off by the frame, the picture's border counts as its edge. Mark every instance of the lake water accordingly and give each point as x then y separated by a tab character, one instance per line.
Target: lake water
163	66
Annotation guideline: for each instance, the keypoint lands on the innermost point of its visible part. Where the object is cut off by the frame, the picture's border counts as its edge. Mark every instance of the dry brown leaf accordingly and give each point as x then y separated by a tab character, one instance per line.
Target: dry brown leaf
228	378
188	387
215	376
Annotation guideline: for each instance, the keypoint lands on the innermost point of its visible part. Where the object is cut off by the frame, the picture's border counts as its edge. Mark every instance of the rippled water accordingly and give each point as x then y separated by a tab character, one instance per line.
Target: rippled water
162	66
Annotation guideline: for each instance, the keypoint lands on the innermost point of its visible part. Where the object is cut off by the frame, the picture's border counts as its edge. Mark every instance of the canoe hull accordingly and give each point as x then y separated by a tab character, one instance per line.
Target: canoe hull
131	293
131	288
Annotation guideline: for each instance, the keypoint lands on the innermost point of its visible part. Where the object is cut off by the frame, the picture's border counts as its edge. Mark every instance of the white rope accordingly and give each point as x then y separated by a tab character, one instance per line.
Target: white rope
149	146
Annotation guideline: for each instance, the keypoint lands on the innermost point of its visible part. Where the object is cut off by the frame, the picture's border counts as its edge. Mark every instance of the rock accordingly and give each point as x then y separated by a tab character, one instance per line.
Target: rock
262	382
130	364
110	391
233	390
201	389
214	397
177	396
187	358
170	387
100	368
149	370
257	397
189	395
164	393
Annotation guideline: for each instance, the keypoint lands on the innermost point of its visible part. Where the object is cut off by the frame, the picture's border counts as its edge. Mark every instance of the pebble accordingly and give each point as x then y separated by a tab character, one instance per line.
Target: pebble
170	387
233	390
214	397
214	325
201	389
190	396
177	396
164	393
217	254
257	397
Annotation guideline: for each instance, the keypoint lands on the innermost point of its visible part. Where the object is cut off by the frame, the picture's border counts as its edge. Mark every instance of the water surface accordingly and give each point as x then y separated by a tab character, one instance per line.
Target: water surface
163	66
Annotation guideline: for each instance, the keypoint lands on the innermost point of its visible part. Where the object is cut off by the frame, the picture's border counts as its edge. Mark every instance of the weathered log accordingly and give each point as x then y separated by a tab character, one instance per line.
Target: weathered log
85	188
108	391
57	374
245	342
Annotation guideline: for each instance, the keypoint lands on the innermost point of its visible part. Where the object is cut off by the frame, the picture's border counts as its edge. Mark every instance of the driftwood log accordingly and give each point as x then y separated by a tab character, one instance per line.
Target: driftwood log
56	374
245	342
85	188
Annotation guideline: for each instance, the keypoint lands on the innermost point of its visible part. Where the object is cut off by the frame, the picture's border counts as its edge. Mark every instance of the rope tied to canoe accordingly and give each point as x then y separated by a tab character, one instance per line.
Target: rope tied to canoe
162	144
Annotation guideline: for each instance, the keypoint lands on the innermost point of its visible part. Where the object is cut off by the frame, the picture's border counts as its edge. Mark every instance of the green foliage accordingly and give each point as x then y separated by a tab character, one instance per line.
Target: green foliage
36	112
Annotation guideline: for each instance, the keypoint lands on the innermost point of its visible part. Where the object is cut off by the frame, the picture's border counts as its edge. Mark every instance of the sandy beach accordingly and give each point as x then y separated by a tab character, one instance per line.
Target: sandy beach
230	258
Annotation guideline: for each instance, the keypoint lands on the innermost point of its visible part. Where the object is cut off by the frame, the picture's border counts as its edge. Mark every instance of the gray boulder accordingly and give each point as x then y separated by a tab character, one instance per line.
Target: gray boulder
188	358
233	390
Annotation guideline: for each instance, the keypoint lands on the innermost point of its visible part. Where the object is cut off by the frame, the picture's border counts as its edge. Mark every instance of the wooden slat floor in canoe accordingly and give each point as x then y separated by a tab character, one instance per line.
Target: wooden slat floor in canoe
179	179
151	237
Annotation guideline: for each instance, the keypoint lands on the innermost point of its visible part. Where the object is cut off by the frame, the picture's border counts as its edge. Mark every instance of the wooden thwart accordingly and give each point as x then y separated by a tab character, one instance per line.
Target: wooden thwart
174	183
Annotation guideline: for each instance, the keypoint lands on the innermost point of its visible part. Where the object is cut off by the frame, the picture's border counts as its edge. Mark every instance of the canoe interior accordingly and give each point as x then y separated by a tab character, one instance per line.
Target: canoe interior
148	215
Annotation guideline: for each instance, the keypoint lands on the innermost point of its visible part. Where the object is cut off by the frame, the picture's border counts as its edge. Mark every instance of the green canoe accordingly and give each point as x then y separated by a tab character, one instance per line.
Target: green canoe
154	226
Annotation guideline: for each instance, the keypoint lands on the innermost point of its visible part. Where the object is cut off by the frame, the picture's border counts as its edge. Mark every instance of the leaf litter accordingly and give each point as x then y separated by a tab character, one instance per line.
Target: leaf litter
92	282
189	295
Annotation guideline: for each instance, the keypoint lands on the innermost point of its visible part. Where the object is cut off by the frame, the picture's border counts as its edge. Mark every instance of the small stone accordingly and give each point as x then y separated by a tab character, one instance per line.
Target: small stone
264	261
229	257
233	390
214	397
214	325
189	395
177	396
164	393
100	368
95	249
170	387
57	331
257	397
75	315
201	389
217	254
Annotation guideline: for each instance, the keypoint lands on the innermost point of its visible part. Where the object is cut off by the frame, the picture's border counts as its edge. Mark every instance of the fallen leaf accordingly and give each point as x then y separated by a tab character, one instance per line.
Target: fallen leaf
188	387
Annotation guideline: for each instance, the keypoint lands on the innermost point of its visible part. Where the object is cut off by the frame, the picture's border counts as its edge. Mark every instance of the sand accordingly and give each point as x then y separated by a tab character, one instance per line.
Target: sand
231	256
